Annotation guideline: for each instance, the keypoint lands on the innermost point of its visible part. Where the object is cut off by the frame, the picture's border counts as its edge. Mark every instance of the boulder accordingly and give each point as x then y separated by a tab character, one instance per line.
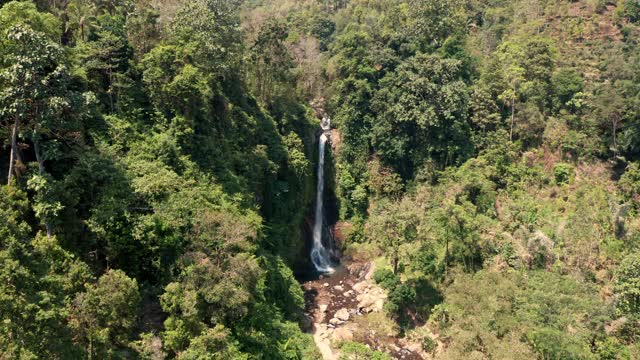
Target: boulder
378	305
338	288
335	322
414	347
372	301
342	314
359	287
323	308
370	272
342	334
367	301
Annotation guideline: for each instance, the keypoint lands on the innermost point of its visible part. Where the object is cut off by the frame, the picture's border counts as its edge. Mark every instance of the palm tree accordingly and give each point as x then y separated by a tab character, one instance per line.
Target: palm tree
81	14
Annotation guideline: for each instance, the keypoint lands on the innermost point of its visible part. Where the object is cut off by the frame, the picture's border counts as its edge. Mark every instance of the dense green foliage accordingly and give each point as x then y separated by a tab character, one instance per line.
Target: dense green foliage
153	204
489	150
159	165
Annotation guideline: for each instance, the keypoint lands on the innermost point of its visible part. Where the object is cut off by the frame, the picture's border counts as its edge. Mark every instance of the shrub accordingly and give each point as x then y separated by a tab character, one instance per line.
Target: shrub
632	10
630	182
428	344
628	285
386	279
399	298
562	173
357	351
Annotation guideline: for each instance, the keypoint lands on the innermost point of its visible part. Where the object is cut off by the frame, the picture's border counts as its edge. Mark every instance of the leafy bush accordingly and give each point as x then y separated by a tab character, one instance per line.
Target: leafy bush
628	285
632	10
562	173
386	279
356	351
610	348
554	344
428	344
399	298
630	182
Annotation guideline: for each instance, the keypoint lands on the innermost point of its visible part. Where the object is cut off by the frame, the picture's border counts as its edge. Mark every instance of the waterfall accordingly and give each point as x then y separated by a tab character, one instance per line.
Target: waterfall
319	254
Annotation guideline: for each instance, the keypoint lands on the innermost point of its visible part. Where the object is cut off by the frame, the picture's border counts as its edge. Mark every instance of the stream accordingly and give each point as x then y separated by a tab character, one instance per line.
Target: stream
340	294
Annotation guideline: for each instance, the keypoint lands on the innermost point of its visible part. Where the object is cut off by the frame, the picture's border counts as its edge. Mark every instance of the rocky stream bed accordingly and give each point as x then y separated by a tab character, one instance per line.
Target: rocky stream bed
334	304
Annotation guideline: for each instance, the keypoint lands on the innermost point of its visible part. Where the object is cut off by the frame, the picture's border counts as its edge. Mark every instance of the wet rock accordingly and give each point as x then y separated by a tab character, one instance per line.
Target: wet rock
306	323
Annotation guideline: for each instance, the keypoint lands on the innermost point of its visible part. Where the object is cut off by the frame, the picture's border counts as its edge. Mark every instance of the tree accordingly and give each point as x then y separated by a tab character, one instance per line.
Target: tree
322	27
38	277
391	226
509	57
627	287
421	114
25	13
435	20
459	222
632	10
630	183
38	98
527	67
567	82
214	344
611	107
34	60
105	314
142	27
270	59
210	29
81	17
105	56
217	281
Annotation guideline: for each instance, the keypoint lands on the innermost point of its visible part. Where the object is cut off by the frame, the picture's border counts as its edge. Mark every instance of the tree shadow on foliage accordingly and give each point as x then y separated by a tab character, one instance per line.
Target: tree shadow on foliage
427	296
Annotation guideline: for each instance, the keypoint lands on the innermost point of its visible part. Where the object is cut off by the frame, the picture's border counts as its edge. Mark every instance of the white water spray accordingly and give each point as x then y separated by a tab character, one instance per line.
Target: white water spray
319	254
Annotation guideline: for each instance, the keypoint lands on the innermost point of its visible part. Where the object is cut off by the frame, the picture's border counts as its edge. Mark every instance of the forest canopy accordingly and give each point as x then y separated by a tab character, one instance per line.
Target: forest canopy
157	169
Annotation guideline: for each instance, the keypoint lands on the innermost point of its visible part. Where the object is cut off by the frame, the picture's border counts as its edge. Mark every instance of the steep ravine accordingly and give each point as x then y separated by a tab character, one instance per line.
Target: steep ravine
337	303
338	294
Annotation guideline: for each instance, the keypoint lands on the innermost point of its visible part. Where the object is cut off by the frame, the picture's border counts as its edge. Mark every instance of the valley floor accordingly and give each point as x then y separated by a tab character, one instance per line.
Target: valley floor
341	305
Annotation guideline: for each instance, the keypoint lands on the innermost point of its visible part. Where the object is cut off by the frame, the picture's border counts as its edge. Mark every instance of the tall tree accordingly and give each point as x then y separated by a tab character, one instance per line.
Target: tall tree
421	114
41	105
270	60
391	226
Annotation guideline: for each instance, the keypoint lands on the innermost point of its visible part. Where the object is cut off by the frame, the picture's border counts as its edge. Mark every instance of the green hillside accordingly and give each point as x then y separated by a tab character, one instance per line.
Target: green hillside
158	173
